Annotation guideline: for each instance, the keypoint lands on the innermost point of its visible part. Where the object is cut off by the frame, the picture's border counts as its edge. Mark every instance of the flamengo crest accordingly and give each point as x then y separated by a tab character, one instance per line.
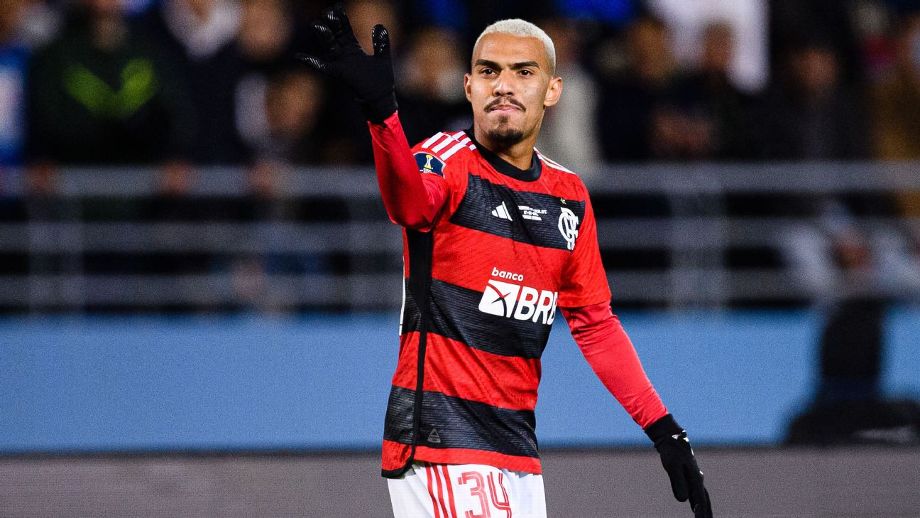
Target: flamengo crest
568	227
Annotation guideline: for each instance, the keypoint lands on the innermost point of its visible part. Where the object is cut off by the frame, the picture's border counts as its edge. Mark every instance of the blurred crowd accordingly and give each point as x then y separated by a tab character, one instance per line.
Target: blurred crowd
182	84
203	82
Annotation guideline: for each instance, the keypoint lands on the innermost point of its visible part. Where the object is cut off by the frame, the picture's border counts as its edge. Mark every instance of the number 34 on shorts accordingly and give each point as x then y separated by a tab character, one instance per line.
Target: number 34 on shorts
467	491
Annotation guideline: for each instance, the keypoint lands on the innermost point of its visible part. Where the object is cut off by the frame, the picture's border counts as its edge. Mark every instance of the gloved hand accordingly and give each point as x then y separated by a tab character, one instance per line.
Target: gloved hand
339	56
677	458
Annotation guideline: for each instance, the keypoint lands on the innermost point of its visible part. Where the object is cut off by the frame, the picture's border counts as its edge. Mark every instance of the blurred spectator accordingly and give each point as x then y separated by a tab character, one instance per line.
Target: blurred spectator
630	99
896	100
689	21
833	21
430	88
569	134
264	43
292	134
198	39
711	116
653	111
849	405
809	114
873	26
896	108
265	32
100	95
14	58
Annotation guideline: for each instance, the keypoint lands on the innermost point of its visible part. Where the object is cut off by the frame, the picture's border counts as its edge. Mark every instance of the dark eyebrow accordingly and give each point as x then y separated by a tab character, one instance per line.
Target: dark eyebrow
514	66
525	64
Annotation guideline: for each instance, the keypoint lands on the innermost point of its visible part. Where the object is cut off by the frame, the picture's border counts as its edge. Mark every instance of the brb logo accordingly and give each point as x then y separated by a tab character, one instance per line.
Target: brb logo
517	301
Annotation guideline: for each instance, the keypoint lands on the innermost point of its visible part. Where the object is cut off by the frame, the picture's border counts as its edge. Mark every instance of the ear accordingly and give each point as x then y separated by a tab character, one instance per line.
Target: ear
553	92
467	87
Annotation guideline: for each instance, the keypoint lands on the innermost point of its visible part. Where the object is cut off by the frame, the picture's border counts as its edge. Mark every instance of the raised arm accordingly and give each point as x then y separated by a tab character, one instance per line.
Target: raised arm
412	200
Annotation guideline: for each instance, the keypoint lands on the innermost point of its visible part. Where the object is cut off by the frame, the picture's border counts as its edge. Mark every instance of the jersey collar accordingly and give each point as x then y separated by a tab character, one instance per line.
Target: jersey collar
530	174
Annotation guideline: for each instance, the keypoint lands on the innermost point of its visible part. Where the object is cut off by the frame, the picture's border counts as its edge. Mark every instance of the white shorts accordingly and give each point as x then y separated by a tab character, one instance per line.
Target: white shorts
466	491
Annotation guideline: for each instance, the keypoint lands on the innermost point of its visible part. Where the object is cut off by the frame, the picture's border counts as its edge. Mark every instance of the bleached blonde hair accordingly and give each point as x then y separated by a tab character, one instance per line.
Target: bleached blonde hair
523	28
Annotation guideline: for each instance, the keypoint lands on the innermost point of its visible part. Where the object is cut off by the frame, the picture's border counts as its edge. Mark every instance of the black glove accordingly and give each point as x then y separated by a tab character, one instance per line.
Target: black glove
339	56
677	458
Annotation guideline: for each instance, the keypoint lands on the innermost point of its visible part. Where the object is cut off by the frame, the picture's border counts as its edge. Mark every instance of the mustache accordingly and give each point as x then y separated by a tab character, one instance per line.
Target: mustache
504	100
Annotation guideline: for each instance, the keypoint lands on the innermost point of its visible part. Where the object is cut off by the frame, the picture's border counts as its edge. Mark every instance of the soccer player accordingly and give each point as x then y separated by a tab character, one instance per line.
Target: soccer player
496	238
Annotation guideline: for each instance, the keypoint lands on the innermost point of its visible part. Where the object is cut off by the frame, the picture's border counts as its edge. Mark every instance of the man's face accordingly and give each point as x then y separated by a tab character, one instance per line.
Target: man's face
509	86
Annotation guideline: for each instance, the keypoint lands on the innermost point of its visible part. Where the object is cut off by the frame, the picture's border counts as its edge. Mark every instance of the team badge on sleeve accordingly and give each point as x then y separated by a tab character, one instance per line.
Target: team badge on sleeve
428	163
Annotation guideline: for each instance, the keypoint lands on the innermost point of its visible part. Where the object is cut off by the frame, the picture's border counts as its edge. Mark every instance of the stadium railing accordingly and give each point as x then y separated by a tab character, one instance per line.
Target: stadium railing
676	236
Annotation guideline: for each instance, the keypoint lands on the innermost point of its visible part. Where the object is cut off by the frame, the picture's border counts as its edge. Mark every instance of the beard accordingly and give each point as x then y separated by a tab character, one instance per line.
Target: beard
504	135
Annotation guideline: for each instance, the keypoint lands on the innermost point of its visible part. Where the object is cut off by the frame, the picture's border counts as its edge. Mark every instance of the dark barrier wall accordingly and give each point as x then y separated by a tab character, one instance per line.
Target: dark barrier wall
321	382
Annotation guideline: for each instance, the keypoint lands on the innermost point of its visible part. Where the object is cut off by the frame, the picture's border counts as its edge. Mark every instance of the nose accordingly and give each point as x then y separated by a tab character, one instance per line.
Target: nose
503	83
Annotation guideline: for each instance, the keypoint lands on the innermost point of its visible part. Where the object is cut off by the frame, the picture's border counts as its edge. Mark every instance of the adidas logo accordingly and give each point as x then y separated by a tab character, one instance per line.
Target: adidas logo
434	437
502	212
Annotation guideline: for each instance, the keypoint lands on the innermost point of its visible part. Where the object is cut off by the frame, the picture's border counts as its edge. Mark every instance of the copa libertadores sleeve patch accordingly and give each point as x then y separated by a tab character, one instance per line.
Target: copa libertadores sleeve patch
428	163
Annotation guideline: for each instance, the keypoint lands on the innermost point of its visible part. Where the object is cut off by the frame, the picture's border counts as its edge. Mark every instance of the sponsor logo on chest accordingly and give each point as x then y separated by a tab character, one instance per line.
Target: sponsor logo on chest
527	212
531	213
517	300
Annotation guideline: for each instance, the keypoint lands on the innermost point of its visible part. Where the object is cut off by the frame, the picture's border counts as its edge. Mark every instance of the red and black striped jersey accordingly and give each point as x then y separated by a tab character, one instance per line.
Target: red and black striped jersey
482	285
